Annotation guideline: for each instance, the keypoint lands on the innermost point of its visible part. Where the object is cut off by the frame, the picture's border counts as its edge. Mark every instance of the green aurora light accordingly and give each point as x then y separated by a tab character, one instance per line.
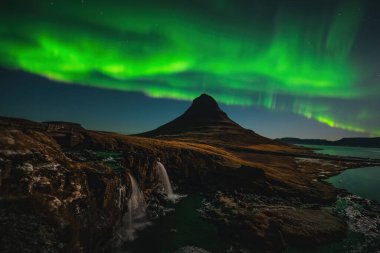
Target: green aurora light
283	56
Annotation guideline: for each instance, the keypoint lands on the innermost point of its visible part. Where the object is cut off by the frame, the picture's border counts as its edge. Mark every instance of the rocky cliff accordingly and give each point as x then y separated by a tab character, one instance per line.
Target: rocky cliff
62	198
50	203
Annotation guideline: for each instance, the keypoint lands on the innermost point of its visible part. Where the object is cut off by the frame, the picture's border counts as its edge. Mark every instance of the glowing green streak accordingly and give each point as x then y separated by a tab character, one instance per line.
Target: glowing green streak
173	52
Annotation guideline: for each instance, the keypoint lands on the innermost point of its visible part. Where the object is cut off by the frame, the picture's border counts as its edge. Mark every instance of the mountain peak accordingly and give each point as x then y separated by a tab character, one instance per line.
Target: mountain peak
206	102
204	98
205	107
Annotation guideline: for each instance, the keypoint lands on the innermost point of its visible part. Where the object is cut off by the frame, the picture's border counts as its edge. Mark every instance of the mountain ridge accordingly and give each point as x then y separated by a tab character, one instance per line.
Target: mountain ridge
205	122
369	142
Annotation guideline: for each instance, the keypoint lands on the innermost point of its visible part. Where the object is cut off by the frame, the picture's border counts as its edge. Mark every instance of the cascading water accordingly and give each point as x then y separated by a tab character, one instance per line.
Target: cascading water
136	203
121	196
165	180
135	218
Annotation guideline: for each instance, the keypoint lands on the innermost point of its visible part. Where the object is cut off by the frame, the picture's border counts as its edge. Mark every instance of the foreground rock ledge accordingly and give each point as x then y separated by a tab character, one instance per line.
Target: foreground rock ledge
56	197
273	227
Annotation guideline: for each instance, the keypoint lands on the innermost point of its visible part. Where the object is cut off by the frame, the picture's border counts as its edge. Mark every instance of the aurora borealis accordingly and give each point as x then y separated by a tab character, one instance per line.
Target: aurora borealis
312	58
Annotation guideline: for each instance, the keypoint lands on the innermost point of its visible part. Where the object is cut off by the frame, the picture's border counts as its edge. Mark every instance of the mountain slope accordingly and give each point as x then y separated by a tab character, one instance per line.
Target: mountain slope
205	122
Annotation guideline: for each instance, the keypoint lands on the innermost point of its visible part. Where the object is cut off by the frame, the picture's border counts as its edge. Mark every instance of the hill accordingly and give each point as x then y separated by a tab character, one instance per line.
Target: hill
205	122
352	142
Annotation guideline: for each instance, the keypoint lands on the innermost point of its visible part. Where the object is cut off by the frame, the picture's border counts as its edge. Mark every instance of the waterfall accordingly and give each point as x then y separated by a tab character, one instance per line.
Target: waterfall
136	203
135	218
121	196
165	180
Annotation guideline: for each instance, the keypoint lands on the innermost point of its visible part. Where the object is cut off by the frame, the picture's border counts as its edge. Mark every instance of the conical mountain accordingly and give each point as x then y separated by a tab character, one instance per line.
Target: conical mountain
205	122
205	109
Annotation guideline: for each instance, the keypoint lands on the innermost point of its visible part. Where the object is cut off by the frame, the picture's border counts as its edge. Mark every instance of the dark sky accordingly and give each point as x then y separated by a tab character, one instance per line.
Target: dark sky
32	97
282	68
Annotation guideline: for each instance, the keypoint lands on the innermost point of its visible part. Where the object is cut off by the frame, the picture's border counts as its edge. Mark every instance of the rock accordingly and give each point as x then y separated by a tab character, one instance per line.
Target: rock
26	167
256	222
307	227
280	227
49	203
191	249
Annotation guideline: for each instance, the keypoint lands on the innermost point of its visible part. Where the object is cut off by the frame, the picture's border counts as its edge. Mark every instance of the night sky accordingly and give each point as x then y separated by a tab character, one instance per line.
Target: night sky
298	68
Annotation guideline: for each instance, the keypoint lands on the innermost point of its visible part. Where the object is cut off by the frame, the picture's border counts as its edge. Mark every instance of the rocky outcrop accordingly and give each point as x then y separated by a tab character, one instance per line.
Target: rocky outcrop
14	123
191	249
49	203
194	169
271	224
67	134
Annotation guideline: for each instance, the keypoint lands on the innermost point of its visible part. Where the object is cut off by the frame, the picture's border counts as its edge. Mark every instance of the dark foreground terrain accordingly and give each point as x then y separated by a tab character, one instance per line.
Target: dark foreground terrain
65	189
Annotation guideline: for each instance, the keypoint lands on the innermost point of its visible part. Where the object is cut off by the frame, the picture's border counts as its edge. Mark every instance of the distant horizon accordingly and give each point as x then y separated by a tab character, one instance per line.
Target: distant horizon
134	133
47	100
331	132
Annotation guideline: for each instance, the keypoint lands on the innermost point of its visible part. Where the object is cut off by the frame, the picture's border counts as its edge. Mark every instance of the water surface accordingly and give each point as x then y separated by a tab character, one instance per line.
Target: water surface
182	227
373	153
364	182
363	220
